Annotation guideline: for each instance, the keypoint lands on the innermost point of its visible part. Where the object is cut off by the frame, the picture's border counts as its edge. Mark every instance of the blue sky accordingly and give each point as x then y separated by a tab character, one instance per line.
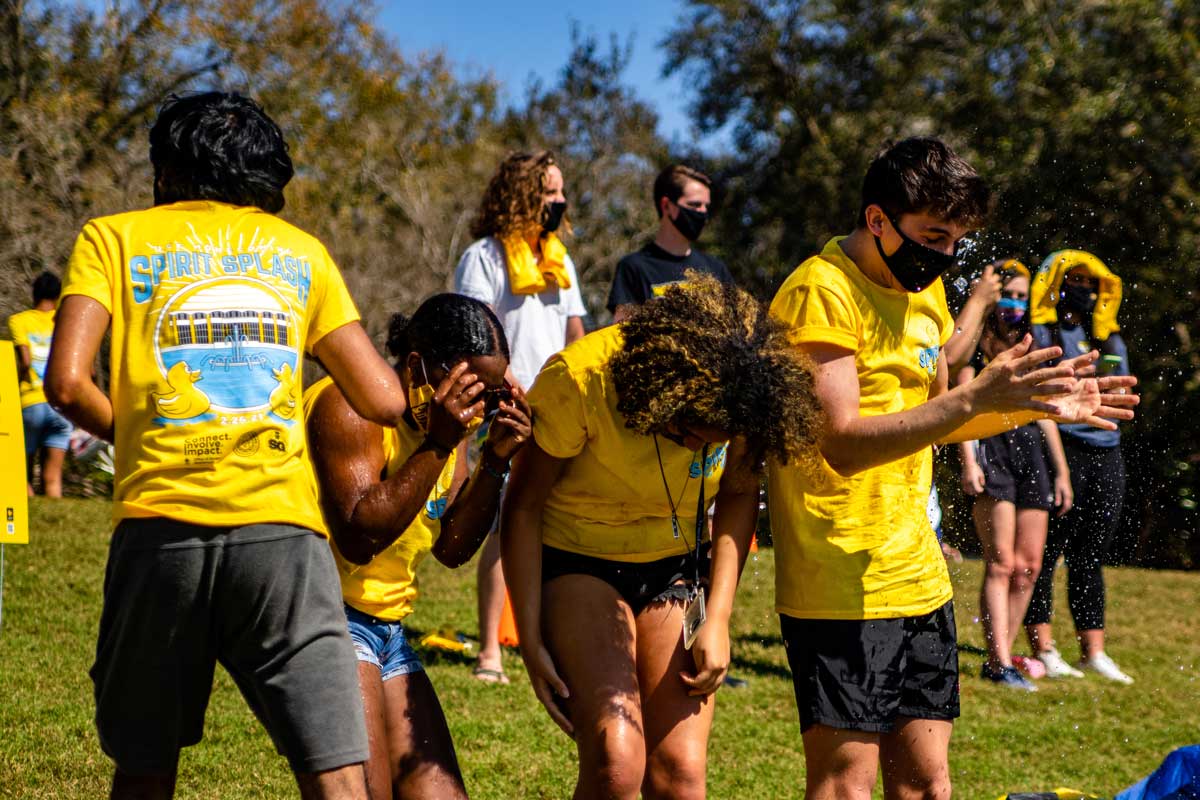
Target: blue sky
516	39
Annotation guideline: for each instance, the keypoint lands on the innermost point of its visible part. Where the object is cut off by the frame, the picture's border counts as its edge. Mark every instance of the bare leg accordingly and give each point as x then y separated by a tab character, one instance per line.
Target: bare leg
52	471
1041	637
840	764
1027	564
490	591
604	706
141	787
1090	642
423	764
377	770
342	783
677	725
995	524
916	760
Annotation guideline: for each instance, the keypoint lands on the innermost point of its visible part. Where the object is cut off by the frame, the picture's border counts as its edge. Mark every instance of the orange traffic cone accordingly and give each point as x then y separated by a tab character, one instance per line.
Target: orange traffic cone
753	543
508	625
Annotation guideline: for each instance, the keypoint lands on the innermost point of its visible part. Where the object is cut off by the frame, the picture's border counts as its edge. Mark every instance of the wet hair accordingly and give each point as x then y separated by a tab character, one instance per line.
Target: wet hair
512	203
447	328
46	286
707	353
218	146
923	175
671	182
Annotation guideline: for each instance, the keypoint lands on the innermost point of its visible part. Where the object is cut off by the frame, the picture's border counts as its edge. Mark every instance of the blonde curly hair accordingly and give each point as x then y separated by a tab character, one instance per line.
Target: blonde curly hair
708	353
512	203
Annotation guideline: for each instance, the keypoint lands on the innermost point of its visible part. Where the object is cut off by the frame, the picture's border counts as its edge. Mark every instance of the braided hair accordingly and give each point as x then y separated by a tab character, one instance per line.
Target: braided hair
447	328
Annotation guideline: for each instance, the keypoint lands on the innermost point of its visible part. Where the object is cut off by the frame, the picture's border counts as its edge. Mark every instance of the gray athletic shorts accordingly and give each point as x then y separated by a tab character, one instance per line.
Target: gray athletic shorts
265	601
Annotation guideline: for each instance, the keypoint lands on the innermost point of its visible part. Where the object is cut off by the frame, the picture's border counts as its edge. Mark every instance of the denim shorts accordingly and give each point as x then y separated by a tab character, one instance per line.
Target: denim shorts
45	427
382	643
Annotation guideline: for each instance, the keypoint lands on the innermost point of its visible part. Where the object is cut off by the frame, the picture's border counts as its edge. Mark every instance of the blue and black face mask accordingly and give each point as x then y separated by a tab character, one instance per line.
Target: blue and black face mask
1011	311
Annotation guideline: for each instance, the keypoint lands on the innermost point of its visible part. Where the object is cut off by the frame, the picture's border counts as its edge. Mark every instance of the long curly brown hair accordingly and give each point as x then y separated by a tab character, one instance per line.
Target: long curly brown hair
707	353
512	202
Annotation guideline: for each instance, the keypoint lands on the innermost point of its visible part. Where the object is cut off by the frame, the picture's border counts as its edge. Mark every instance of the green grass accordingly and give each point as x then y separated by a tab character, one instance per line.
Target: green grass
1084	734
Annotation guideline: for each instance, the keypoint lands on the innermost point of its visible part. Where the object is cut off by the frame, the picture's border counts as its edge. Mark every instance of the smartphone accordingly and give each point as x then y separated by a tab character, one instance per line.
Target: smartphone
1109	365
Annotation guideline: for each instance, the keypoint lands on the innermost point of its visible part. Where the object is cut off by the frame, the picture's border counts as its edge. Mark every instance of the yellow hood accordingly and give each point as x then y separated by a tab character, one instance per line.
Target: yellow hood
1044	293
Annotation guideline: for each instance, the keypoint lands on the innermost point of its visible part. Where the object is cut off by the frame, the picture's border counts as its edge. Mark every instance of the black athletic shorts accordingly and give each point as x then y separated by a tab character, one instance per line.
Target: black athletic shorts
862	675
638	584
1014	468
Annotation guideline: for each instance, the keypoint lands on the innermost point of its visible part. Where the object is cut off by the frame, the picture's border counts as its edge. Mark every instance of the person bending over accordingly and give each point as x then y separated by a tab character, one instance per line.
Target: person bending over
861	586
639	427
213	303
391	496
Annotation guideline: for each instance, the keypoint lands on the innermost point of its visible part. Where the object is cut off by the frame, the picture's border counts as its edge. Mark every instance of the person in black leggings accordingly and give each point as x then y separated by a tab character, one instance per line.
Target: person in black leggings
1075	302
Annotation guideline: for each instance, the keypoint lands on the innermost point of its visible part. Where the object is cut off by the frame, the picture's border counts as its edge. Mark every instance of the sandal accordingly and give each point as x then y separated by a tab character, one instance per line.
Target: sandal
485	675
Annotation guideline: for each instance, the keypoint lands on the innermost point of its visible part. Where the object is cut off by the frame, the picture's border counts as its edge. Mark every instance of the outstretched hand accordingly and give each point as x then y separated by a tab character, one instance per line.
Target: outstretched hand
1015	380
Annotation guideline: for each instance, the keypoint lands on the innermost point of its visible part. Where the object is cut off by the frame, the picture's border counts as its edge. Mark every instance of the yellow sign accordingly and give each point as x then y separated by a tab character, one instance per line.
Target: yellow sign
14	527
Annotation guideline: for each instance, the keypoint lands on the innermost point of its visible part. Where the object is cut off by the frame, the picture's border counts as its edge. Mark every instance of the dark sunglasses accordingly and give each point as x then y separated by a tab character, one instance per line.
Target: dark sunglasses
492	398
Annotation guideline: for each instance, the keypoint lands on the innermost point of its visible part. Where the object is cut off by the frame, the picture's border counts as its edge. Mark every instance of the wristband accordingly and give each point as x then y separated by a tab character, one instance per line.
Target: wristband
489	469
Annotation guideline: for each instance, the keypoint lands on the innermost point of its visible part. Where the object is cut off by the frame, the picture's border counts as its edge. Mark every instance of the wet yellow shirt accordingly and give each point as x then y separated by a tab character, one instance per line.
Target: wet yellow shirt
33	329
861	547
386	588
213	307
610	501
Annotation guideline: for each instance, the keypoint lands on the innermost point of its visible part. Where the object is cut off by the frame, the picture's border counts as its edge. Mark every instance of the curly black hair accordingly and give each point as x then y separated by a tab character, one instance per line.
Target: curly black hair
708	353
218	146
447	328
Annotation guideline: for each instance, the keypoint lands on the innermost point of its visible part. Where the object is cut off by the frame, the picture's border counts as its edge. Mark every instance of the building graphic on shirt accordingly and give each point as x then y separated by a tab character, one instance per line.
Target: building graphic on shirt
226	347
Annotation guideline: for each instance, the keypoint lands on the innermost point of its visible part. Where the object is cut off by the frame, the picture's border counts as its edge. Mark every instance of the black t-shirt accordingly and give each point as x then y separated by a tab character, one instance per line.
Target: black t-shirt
646	273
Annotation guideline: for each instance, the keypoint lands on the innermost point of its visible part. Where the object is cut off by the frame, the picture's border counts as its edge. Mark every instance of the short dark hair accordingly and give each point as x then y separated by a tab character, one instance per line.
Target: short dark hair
670	183
923	174
46	286
218	146
447	328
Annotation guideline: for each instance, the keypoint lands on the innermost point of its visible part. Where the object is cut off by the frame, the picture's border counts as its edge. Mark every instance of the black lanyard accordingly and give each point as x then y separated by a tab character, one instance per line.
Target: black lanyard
701	510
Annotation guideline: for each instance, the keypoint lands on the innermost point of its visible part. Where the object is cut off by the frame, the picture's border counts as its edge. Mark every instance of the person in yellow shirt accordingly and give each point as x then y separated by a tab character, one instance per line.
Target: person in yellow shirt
621	594
393	495
861	586
213	302
45	429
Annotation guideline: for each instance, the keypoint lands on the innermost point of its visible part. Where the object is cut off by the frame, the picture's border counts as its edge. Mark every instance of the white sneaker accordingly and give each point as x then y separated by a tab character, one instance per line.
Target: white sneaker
1104	666
1056	665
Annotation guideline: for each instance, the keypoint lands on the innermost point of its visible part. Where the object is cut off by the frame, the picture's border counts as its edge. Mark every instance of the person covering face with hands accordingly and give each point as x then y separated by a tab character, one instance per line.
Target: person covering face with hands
391	496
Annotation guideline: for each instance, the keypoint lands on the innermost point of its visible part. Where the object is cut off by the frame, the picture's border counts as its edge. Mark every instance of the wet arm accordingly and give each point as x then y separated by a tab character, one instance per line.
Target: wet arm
367	381
365	513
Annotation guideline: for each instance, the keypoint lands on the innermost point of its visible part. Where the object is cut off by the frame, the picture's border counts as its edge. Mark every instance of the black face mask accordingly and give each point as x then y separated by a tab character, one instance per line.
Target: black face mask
913	264
1078	298
690	222
552	214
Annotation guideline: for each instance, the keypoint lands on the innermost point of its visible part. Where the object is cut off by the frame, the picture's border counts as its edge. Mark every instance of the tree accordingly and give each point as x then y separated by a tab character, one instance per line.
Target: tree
1081	114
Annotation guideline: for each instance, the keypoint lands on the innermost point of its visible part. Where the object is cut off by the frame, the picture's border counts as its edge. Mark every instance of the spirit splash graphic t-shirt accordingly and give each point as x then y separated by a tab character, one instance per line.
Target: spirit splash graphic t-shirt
213	307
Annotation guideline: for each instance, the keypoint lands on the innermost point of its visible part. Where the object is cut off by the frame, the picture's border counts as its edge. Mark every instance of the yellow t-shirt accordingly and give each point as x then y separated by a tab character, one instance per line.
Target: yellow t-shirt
33	329
610	501
861	547
386	588
212	309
